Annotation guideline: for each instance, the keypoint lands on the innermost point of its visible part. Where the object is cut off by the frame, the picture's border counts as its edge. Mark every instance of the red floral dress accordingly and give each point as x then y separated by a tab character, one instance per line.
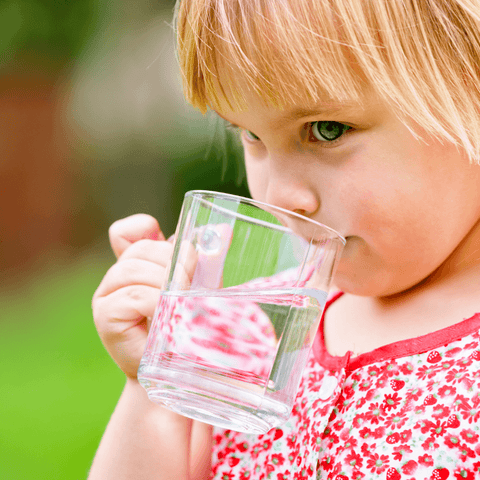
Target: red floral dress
409	410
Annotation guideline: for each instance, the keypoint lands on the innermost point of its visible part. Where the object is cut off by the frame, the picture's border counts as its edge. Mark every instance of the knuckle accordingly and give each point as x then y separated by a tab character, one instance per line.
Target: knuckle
100	292
146	219
153	250
126	268
166	251
140	248
115	228
98	313
135	293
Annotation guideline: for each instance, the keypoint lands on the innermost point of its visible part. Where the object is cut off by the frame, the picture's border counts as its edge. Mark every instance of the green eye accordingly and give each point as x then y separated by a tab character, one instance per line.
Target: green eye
327	131
251	136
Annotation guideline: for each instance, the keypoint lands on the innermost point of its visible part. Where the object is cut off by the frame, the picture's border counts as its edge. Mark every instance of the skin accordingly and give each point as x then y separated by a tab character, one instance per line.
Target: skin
408	205
142	440
409	208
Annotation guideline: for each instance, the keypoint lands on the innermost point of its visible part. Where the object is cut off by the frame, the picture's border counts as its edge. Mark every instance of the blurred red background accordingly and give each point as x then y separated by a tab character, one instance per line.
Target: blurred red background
93	127
35	180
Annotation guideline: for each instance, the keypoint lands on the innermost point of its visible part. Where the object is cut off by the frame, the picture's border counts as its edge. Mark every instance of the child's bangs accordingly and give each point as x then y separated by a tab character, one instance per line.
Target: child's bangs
229	48
420	57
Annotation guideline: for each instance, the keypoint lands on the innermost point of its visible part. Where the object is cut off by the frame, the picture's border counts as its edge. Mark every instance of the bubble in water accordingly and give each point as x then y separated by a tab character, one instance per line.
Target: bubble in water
210	241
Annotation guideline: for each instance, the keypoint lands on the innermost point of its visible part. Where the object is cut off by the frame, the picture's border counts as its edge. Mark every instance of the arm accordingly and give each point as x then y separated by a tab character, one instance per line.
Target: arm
142	440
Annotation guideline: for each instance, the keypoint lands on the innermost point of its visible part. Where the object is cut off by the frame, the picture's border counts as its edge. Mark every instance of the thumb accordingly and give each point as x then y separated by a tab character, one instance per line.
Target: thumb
131	229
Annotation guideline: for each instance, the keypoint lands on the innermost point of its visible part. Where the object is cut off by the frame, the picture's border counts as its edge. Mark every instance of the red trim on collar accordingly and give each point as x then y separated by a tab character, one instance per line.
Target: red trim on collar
319	350
402	348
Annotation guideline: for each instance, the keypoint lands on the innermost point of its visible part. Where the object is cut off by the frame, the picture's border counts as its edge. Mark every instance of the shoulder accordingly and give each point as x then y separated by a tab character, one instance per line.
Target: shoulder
410	415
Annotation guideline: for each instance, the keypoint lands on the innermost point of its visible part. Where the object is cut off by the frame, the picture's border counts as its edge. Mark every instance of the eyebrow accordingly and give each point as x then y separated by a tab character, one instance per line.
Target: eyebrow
326	109
298	113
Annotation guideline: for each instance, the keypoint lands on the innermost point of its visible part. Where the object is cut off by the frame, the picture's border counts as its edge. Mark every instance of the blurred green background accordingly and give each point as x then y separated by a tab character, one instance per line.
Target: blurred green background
93	127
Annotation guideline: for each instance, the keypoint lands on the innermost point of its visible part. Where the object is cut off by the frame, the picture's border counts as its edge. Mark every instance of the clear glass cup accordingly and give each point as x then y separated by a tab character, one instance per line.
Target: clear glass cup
236	320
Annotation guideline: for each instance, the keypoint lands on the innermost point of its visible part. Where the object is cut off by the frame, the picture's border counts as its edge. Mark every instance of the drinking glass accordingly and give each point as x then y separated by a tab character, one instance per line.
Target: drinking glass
236	320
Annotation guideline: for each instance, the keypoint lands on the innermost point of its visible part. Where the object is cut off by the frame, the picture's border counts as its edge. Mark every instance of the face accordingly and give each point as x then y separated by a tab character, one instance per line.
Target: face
403	201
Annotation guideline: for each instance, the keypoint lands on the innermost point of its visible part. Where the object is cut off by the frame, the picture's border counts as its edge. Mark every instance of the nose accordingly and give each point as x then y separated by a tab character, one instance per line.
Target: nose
290	187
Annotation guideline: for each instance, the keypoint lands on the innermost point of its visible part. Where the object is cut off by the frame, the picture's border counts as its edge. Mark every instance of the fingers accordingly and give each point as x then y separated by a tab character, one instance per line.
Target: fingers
186	264
131	272
123	233
128	294
142	263
124	308
150	251
120	319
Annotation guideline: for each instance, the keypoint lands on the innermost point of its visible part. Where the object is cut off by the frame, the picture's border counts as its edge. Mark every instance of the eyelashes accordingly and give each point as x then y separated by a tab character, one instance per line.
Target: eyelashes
321	131
251	136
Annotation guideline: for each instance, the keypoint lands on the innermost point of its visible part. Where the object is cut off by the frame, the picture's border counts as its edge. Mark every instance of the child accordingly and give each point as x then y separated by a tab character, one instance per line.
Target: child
363	115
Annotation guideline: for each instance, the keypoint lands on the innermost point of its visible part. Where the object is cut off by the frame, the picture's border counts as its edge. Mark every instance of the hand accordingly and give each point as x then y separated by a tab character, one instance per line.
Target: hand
156	443
129	292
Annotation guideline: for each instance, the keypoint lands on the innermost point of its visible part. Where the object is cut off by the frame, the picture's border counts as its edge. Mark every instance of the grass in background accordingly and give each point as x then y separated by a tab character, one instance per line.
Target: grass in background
58	386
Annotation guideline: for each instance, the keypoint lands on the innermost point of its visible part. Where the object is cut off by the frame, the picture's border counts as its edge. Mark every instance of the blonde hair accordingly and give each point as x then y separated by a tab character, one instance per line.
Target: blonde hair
420	56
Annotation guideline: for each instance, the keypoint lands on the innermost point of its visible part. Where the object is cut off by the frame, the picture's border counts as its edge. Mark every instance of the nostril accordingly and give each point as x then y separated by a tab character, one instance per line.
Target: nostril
300	212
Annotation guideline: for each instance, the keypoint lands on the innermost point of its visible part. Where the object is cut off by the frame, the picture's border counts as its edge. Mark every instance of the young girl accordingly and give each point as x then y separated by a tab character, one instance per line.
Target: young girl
365	116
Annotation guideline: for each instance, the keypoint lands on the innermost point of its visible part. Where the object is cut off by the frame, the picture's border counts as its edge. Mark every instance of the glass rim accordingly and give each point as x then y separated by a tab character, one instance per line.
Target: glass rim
229	196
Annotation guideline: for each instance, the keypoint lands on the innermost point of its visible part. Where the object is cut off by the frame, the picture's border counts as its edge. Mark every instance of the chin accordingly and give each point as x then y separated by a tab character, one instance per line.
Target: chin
351	273
368	284
356	272
355	279
348	285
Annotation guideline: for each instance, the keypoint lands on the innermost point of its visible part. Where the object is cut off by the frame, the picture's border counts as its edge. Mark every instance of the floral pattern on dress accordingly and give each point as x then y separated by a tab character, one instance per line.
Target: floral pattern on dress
415	417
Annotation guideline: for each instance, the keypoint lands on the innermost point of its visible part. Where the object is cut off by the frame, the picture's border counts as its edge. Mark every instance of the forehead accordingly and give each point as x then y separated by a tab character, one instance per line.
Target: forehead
276	53
237	94
286	116
299	52
279	114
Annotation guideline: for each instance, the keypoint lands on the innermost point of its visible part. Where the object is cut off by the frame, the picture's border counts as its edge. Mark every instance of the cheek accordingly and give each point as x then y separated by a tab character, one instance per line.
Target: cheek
389	235
257	178
393	213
